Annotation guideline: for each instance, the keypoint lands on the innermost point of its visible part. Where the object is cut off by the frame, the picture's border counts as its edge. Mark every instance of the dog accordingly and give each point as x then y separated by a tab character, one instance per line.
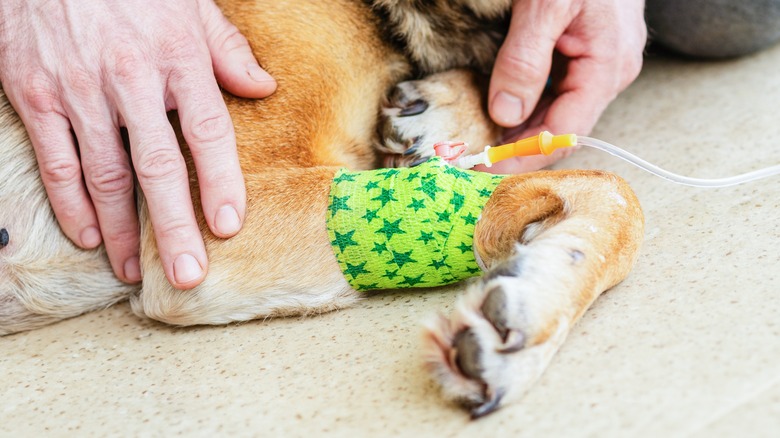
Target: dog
361	83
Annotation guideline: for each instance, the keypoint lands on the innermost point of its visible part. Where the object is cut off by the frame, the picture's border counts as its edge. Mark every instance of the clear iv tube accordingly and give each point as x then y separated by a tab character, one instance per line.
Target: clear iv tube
685	180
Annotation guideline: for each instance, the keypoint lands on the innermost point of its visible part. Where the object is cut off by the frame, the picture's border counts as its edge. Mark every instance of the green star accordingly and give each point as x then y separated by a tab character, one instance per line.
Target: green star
426	237
388	173
385	197
412	176
416	204
402	258
473	270
344	177
368	286
391	274
457	201
411	281
470	219
379	248
344	240
371	185
391	228
429	187
457	173
484	192
355	270
464	248
338	203
444	216
440	263
444	234
370	215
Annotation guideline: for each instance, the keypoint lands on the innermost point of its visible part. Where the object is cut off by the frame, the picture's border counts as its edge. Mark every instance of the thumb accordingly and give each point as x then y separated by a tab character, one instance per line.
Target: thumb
523	62
235	67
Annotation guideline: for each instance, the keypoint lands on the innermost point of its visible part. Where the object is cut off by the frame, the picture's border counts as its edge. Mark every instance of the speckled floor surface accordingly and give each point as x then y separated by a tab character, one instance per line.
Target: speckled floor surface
688	345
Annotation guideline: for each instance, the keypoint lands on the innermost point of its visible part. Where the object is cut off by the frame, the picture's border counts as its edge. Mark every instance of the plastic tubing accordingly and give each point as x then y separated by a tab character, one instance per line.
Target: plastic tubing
679	179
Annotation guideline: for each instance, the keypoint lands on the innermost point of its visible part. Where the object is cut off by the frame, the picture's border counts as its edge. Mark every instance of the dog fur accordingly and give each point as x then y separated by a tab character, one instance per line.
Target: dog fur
551	242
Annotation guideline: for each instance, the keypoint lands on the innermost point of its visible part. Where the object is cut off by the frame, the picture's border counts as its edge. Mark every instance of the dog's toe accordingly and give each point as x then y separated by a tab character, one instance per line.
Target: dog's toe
497	341
418	114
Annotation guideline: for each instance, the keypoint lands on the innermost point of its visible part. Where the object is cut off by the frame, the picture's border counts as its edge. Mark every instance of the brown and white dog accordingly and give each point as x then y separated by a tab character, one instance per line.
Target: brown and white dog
552	241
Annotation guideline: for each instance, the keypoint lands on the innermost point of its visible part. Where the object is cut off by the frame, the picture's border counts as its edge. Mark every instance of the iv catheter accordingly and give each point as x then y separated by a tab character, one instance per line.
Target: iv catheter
546	143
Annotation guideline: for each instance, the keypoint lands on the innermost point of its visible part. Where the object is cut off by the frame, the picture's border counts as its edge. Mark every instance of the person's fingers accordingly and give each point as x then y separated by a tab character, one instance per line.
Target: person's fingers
235	67
109	180
208	130
162	175
58	161
523	63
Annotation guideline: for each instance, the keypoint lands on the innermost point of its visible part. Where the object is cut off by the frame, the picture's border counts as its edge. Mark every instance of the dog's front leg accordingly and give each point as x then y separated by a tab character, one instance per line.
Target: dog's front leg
280	264
552	242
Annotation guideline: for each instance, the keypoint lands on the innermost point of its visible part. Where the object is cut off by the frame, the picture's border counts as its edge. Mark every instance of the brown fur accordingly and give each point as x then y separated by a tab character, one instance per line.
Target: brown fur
551	241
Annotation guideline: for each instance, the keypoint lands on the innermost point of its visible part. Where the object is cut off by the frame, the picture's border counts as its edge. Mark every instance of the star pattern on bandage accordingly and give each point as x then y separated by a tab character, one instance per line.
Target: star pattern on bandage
355	270
370	215
407	227
338	203
457	173
344	240
385	197
344	177
416	204
390	229
429	187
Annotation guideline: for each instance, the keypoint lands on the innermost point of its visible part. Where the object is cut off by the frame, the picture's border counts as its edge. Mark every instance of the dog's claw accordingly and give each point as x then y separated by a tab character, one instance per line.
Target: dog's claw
514	342
414	145
491	405
414	108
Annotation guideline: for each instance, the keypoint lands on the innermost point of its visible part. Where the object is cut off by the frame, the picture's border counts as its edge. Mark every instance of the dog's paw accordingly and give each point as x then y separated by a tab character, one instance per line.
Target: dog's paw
441	107
499	339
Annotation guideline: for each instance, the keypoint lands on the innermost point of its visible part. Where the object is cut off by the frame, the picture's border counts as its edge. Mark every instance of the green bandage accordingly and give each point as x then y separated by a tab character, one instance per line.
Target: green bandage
409	227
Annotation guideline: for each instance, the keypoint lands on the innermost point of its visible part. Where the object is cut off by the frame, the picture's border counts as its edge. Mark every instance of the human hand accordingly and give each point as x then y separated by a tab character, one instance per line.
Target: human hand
94	67
591	49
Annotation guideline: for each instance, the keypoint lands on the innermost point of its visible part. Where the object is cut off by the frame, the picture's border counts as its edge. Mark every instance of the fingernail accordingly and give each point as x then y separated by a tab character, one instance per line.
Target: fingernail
133	270
186	269
227	222
90	237
257	73
507	109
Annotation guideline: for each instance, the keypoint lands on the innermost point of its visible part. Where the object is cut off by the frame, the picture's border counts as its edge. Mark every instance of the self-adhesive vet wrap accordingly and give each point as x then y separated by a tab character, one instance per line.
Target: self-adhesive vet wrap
408	227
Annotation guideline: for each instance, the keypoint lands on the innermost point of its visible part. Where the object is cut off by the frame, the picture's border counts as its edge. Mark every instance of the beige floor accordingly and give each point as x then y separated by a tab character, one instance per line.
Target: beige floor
688	345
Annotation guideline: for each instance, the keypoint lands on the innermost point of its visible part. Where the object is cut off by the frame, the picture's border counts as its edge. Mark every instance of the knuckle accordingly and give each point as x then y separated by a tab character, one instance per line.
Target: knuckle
39	93
125	63
160	165
121	233
233	39
175	229
79	81
60	172
213	177
633	66
180	45
210	128
110	181
519	62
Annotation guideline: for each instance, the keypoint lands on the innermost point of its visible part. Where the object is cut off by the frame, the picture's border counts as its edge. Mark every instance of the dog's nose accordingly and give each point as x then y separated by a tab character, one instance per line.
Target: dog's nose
4	238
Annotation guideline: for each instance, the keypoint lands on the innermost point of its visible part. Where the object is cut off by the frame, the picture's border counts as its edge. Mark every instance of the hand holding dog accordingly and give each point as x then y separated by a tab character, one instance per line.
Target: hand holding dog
592	49
93	67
